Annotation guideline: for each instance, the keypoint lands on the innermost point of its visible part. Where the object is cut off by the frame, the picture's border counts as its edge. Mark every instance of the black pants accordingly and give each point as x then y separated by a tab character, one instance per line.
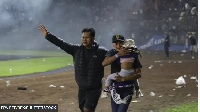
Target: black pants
167	51
88	98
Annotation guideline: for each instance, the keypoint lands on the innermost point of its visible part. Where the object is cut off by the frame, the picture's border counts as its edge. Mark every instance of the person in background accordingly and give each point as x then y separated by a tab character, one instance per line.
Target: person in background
193	45
167	45
88	58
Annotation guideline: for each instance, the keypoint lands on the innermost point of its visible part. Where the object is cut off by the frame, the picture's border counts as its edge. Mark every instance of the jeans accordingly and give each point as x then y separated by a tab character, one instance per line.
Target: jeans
123	93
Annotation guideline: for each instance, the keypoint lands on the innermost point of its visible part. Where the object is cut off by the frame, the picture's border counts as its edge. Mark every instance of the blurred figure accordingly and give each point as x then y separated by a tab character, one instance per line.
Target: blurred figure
186	43
167	45
193	44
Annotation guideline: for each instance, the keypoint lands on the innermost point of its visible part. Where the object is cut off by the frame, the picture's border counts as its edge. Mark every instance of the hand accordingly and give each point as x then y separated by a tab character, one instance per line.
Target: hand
43	30
139	75
123	52
119	78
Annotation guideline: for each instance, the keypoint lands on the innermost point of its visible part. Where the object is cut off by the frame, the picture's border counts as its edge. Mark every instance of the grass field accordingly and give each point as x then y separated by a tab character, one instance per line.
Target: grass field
29	66
192	107
33	53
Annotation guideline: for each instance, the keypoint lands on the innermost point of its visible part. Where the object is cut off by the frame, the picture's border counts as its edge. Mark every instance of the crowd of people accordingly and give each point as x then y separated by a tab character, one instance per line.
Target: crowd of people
134	17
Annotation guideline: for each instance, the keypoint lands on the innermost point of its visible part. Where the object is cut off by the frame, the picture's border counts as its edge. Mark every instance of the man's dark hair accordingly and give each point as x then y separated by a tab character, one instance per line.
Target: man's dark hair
91	30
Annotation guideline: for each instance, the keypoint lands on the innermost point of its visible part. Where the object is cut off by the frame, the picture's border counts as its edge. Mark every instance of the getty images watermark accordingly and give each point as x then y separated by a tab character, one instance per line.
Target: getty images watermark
28	107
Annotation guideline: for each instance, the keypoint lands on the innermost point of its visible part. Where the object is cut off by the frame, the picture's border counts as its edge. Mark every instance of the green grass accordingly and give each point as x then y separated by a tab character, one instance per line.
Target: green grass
191	107
28	66
33	53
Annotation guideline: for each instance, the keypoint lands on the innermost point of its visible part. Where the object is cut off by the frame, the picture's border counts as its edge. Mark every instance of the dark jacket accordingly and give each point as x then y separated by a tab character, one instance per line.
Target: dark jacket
167	41
193	40
87	63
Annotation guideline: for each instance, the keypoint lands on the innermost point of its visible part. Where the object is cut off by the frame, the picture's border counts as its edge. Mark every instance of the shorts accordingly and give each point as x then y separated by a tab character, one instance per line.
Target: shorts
89	98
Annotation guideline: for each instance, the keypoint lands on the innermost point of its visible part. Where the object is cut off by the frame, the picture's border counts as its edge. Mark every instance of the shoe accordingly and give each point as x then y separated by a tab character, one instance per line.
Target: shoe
139	93
106	90
104	94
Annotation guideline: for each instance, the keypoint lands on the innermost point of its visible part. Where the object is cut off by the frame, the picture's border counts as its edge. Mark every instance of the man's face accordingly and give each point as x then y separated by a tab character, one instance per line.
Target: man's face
87	40
118	45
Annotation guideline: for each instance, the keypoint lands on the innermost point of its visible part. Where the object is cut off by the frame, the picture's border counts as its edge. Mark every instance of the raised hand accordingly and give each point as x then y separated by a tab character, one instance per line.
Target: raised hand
43	29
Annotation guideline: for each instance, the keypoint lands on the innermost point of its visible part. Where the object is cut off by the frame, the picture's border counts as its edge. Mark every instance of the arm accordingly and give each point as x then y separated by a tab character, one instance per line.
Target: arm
67	47
110	59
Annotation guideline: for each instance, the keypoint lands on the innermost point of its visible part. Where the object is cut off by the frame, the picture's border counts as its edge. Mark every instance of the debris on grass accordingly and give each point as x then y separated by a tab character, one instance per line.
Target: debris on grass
71	103
180	81
10	70
62	86
8	83
22	88
193	77
32	91
135	101
189	95
180	62
52	86
180	86
151	66
152	93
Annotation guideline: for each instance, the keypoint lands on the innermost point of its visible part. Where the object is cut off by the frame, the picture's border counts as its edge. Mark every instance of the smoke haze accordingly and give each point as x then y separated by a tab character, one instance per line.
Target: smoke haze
66	18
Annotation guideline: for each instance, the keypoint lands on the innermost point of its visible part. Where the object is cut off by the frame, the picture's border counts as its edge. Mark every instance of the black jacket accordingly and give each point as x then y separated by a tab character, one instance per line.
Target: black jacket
167	41
193	41
87	63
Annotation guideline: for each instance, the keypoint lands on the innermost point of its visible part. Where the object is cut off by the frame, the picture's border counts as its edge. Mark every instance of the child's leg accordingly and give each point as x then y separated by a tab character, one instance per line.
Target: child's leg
109	79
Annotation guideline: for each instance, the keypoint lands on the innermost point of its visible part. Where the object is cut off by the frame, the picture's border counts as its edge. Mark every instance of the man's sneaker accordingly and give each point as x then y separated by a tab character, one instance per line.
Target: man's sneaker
106	90
139	93
104	94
